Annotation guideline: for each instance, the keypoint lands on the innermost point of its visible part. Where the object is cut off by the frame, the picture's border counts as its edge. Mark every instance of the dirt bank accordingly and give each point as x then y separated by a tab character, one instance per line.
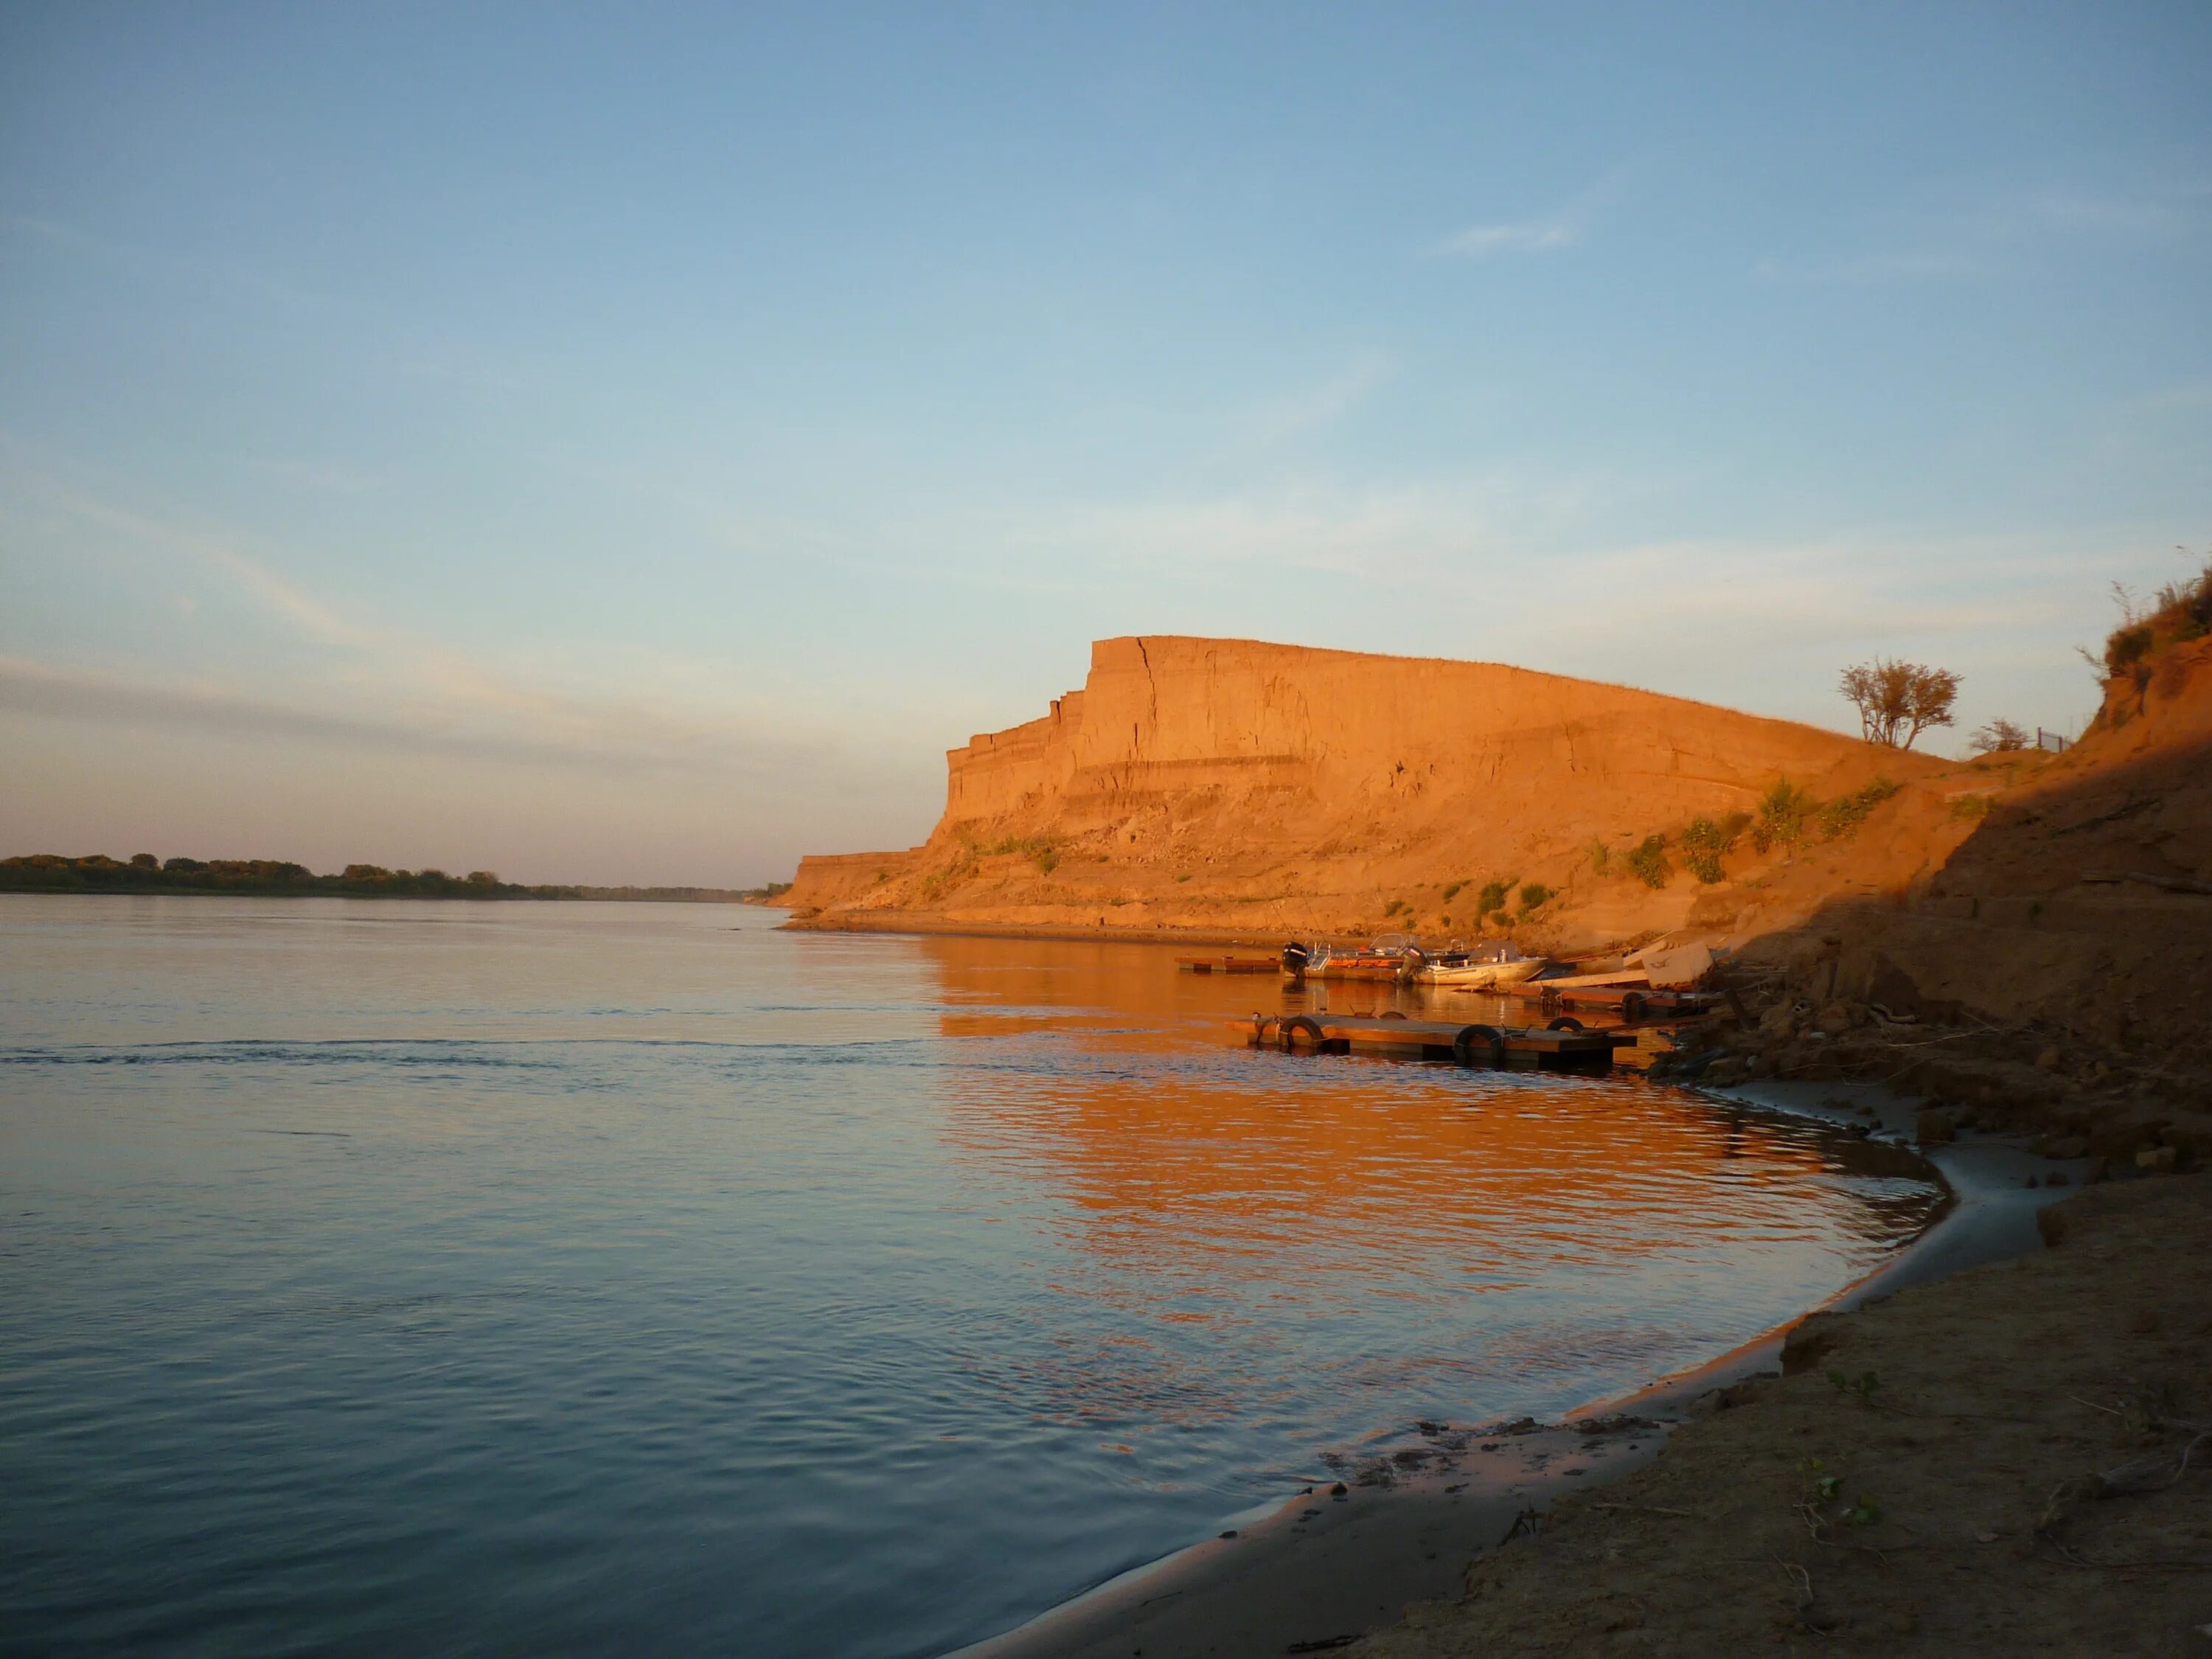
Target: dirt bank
1230	785
2017	1459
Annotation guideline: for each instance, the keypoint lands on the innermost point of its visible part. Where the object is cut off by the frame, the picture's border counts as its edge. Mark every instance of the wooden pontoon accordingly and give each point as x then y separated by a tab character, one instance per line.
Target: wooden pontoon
1515	1049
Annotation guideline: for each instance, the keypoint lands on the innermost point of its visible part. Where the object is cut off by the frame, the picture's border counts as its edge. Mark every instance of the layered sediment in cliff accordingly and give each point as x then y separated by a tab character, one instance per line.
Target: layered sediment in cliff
1231	786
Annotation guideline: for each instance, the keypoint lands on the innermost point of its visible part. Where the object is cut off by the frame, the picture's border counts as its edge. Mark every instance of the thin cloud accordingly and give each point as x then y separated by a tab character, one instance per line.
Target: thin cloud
1478	241
2076	213
1961	240
1868	268
44	690
1423	528
1317	406
1548	233
429	695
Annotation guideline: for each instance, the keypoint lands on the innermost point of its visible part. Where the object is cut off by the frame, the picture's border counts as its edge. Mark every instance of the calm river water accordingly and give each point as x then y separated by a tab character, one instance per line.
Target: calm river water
537	1279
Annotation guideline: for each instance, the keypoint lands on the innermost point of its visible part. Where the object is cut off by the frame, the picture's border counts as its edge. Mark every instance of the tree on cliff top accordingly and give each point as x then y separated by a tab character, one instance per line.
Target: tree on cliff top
1898	701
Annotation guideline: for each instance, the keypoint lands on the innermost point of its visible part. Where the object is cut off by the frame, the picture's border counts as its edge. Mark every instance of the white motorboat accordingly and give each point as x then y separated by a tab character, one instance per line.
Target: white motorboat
1486	965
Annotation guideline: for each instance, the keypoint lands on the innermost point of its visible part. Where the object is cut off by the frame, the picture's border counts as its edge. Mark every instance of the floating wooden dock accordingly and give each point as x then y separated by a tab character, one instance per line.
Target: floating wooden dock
1229	964
1633	1002
1505	1047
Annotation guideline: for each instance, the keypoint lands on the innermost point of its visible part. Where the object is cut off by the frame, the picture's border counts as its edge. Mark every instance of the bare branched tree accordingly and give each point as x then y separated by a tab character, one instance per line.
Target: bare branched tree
1898	701
2000	737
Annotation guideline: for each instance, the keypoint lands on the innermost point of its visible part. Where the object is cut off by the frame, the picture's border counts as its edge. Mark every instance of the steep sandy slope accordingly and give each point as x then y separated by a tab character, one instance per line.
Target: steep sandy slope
2081	899
1226	786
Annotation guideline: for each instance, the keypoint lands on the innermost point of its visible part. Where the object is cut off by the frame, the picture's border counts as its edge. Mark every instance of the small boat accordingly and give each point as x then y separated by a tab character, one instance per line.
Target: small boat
1490	964
1389	960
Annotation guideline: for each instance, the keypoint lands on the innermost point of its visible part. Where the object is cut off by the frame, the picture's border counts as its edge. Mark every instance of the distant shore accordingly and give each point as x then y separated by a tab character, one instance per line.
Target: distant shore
907	921
53	872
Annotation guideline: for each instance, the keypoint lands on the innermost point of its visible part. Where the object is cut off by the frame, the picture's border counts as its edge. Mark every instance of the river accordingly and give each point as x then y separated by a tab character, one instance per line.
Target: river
549	1278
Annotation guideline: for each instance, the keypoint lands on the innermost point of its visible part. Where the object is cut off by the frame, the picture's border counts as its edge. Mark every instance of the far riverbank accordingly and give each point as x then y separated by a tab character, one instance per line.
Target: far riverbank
53	872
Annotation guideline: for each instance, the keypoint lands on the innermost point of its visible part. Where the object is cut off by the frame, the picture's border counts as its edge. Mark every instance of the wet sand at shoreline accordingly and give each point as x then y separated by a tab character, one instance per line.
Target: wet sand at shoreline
1324	1567
1319	1571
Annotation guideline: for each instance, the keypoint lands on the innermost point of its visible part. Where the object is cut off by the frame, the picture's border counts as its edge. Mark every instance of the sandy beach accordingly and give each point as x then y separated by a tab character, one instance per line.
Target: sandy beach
2007	1461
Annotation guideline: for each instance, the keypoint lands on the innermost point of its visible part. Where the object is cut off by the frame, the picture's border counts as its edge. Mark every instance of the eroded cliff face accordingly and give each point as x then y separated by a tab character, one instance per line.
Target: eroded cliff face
1228	785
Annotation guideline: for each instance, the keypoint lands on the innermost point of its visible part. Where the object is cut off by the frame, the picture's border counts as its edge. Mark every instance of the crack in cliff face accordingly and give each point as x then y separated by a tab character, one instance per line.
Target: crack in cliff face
1151	694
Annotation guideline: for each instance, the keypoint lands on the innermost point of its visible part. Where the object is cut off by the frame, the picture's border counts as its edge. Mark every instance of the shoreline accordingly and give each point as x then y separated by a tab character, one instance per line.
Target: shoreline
908	922
1319	1569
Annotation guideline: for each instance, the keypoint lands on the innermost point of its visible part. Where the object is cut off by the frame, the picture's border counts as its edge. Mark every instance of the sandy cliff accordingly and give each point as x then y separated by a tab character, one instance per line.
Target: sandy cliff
1232	789
1231	786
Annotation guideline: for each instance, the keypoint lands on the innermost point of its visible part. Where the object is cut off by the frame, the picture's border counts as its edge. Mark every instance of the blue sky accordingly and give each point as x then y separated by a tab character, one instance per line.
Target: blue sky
631	443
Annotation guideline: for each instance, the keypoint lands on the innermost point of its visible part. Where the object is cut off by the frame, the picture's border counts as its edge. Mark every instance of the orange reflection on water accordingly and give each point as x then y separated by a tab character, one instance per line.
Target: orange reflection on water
1198	1182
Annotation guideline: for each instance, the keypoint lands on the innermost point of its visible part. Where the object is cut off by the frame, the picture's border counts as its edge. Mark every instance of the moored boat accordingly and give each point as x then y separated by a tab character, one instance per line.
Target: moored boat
1485	965
1389	960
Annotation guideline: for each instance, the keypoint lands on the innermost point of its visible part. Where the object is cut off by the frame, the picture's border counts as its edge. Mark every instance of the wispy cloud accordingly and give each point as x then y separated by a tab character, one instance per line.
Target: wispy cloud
1535	236
313	475
424	693
1312	408
2078	213
1954	238
1868	268
1423	528
31	687
1563	228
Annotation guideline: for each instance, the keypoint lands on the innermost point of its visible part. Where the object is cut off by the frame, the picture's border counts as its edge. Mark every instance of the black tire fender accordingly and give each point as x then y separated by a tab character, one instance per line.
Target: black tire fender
1288	1031
1565	1023
1492	1042
1633	1006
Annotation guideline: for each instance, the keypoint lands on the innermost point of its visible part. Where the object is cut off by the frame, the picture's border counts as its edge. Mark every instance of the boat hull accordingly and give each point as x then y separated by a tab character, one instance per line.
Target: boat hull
1382	972
1478	976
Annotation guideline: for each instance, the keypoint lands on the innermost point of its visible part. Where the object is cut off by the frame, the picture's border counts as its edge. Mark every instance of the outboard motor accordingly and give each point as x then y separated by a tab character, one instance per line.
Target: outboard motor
1411	964
1295	956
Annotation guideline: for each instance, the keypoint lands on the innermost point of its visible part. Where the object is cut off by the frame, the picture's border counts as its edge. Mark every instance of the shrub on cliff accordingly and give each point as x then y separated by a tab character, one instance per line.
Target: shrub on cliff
2178	612
1703	844
2000	737
1534	895
1648	863
1782	811
1843	814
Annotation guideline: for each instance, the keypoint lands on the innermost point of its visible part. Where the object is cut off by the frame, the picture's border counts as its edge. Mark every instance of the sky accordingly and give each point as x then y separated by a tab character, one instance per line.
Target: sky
633	442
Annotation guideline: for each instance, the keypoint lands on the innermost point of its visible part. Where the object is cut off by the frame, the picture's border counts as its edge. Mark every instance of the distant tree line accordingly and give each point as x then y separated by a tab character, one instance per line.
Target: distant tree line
96	873
144	873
